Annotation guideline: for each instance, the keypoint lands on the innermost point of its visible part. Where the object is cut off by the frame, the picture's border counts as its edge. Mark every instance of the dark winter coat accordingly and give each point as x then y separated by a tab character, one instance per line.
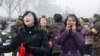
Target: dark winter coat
14	30
96	43
53	29
35	41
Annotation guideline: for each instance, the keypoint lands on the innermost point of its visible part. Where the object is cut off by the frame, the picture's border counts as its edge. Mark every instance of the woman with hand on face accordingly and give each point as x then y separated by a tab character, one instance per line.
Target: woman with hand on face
70	37
30	39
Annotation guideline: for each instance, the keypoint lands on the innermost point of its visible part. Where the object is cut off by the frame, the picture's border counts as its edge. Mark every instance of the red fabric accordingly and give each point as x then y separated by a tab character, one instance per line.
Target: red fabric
30	54
22	51
51	41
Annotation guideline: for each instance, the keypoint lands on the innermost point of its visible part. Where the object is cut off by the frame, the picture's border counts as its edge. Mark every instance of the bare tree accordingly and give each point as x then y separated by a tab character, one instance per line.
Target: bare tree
9	6
45	7
36	6
67	11
1	2
22	6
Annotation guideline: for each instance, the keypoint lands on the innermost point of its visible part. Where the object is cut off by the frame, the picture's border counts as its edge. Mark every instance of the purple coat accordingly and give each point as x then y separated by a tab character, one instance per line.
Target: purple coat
70	43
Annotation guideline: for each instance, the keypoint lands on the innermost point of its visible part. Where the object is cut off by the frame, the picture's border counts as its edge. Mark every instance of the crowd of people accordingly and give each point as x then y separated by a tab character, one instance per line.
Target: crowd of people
32	36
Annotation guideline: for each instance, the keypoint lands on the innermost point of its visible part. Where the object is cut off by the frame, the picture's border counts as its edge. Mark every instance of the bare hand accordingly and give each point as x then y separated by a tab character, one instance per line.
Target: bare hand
94	31
67	28
74	28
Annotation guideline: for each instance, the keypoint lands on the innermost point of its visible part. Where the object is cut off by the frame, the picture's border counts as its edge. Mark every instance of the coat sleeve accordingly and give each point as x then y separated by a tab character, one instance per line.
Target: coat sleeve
44	49
61	36
13	31
12	46
78	38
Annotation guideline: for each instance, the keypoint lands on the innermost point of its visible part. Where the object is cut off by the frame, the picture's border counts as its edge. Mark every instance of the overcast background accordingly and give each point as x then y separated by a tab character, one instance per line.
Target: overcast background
82	8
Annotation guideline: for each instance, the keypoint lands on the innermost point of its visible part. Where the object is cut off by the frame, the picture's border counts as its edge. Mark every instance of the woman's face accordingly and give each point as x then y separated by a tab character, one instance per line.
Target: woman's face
71	21
29	20
43	22
81	22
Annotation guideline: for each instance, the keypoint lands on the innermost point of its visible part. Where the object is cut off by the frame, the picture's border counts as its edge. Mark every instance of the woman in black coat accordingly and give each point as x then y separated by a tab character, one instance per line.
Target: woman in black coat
34	40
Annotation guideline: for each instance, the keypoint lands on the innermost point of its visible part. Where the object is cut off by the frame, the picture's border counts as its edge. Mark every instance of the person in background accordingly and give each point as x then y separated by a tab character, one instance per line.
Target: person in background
14	30
30	39
96	17
43	23
53	28
44	26
88	39
16	27
4	24
95	32
81	50
70	37
81	19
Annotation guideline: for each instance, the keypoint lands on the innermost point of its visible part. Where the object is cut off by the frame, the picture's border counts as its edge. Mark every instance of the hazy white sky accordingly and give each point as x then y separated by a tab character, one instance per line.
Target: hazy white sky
84	8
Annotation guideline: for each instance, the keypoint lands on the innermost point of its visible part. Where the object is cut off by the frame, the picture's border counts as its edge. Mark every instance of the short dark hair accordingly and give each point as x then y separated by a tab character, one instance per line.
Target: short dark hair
34	15
86	20
57	17
97	20
96	16
43	16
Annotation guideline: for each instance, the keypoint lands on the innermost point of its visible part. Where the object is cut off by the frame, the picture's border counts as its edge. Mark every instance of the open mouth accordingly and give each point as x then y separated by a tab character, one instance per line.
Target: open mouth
44	23
27	20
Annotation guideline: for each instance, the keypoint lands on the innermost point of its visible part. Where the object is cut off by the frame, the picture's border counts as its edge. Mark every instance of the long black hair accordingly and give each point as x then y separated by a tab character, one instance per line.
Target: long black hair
34	15
76	19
